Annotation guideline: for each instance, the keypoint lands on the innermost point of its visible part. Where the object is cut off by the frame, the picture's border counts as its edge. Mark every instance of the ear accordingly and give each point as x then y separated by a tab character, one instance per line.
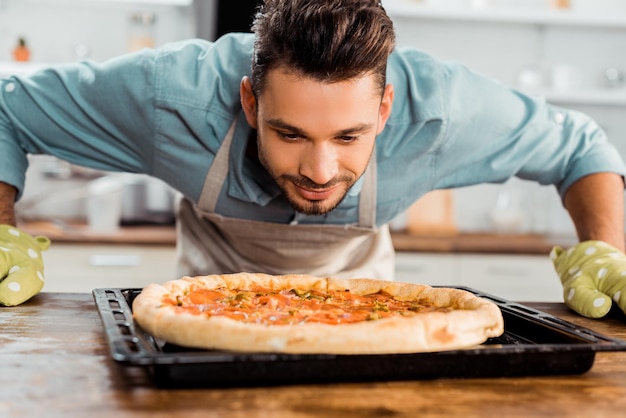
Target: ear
248	101
385	108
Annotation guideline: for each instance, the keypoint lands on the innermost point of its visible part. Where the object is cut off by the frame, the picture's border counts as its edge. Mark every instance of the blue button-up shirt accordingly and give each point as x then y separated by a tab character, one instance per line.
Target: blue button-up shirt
165	112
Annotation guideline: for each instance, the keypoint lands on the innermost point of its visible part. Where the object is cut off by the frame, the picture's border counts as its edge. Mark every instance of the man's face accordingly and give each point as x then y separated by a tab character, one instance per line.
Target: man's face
315	138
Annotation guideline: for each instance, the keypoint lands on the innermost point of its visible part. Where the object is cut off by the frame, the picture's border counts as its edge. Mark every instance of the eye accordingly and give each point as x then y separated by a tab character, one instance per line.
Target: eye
288	135
347	139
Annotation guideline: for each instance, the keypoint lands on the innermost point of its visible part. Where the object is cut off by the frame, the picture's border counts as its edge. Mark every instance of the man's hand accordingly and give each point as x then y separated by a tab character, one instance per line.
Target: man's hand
593	274
21	265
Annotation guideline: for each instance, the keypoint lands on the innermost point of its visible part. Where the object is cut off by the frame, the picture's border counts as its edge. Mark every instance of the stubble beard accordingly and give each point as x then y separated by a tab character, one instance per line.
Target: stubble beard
307	207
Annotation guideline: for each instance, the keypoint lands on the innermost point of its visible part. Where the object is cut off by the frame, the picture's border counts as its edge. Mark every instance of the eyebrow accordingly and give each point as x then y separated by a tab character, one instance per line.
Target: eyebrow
281	124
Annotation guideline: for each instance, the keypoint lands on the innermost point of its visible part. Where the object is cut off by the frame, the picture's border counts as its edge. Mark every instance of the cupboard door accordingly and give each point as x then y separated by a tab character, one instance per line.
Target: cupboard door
82	268
521	278
426	268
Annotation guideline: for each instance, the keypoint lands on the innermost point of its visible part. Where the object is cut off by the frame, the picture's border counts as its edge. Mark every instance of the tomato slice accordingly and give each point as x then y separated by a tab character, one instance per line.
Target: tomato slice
294	306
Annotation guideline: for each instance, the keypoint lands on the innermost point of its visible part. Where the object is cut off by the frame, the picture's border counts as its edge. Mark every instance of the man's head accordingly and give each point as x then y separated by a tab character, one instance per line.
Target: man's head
317	95
327	40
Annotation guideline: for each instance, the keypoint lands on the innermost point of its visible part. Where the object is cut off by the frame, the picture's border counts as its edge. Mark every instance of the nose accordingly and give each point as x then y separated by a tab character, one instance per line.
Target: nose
319	163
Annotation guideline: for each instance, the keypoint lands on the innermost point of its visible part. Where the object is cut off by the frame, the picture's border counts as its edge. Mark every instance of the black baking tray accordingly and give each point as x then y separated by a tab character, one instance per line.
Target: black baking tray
534	343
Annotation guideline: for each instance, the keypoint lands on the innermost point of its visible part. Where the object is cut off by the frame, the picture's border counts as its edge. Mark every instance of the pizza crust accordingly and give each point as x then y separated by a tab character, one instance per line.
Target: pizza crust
470	322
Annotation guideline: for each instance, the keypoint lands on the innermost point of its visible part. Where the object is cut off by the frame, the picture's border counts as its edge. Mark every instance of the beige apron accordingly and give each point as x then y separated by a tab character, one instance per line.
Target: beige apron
209	243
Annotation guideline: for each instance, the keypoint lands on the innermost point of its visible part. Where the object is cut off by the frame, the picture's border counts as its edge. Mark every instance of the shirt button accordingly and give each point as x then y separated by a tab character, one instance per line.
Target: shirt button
9	87
559	118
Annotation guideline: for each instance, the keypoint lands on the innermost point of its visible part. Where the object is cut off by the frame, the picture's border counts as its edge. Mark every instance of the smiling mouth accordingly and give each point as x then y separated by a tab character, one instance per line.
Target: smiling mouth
315	194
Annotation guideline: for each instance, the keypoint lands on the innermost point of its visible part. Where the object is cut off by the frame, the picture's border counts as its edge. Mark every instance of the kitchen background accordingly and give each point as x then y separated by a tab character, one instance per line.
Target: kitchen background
570	52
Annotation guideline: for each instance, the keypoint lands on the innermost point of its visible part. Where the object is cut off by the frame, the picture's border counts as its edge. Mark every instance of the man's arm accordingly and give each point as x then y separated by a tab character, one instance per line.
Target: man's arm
593	273
7	204
21	264
596	205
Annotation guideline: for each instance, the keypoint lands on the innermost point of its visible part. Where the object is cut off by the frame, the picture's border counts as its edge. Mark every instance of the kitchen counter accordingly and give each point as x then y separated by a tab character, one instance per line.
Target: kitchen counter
77	232
480	243
55	362
445	243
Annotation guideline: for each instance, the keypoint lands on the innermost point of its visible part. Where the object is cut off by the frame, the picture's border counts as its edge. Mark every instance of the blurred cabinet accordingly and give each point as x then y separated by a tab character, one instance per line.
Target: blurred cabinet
148	2
436	269
523	278
513	277
84	267
531	45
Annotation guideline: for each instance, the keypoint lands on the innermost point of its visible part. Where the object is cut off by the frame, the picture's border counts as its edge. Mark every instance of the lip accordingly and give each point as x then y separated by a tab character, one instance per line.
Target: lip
315	194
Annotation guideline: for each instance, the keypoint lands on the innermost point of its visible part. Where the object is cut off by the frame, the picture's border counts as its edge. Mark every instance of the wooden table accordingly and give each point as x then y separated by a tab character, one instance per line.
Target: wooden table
54	361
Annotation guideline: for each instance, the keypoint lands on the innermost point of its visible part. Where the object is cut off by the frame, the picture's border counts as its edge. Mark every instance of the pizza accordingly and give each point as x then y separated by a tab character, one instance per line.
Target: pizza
253	312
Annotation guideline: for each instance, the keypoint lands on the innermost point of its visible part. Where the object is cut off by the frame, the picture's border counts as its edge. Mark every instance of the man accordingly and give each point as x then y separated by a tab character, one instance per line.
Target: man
297	164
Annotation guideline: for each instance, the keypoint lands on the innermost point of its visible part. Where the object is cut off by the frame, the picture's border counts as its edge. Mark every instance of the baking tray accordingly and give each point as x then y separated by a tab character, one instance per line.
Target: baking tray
534	343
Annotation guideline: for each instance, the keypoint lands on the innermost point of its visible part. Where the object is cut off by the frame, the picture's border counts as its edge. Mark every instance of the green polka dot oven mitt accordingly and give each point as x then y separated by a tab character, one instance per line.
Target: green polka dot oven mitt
21	265
593	274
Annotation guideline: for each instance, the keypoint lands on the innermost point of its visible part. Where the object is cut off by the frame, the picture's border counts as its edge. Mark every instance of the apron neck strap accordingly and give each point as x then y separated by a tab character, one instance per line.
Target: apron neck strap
219	169
367	197
217	173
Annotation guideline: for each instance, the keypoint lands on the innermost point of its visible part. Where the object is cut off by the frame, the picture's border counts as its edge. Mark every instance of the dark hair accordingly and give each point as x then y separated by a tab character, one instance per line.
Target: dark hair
329	40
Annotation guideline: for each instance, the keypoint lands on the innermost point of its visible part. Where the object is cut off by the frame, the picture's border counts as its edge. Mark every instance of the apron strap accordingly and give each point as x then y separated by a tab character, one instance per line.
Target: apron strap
219	169
367	197
217	173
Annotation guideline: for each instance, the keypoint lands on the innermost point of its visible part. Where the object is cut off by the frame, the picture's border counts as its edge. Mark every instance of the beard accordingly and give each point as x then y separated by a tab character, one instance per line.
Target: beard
313	207
286	182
